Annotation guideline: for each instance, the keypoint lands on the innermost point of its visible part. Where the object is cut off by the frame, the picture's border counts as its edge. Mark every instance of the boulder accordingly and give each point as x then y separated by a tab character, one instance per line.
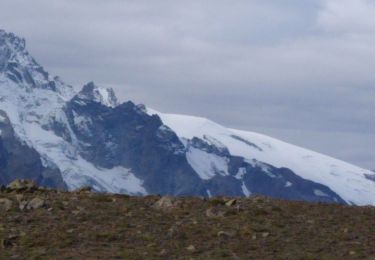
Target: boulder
5	204
36	203
166	203
22	185
231	202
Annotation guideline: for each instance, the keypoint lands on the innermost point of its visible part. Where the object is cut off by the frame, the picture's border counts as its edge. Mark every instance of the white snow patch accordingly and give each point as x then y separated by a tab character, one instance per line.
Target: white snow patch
241	172
288	184
207	165
245	190
209	193
320	193
2	119
82	123
76	171
103	96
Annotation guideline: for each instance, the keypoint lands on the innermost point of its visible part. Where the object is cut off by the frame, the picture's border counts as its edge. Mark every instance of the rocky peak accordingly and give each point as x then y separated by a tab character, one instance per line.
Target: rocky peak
10	39
18	66
105	96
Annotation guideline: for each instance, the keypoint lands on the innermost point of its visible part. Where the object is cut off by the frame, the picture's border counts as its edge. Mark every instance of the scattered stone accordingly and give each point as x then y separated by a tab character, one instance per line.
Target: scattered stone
163	252
36	203
226	234
19	197
214	212
191	248
78	210
166	203
265	234
22	205
254	237
22	185
5	204
231	202
5	243
85	189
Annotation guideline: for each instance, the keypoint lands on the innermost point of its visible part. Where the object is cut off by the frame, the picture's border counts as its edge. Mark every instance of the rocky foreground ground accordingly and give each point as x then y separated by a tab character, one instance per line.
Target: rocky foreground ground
38	223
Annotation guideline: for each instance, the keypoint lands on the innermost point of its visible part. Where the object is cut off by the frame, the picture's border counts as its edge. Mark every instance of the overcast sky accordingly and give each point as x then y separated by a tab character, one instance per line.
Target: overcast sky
299	70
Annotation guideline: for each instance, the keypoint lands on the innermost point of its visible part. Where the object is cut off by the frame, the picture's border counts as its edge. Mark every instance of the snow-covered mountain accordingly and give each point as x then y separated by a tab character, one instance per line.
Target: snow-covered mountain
64	139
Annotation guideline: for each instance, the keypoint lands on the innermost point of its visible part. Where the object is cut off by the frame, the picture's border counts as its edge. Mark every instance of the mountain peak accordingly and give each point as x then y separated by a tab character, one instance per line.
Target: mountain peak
105	96
17	65
12	40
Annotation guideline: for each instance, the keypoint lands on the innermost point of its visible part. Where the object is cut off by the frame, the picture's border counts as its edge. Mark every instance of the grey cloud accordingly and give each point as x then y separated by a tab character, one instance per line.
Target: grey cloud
271	66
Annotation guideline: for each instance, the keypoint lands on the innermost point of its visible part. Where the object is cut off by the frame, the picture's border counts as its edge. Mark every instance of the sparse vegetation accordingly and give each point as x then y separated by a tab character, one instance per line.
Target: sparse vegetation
82	224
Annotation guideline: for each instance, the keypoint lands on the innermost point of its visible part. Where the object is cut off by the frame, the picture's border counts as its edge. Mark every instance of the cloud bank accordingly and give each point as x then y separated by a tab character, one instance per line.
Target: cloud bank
299	70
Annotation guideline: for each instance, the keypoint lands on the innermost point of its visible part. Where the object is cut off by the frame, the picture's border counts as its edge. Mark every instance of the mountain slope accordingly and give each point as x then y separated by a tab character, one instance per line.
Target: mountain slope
350	182
88	138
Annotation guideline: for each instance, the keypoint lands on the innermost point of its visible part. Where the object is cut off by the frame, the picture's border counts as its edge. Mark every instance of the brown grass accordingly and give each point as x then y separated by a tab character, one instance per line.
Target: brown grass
96	226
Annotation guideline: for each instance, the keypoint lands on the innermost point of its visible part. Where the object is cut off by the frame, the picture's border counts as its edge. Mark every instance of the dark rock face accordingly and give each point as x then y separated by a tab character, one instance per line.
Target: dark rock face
259	178
18	161
126	136
370	177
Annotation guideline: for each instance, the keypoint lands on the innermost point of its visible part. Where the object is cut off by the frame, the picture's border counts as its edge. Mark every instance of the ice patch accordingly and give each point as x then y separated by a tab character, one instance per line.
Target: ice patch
207	165
288	184
2	119
241	172
83	123
245	190
320	193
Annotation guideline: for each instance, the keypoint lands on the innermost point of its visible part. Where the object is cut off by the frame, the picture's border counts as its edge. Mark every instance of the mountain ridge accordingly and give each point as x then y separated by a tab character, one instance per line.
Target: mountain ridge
90	139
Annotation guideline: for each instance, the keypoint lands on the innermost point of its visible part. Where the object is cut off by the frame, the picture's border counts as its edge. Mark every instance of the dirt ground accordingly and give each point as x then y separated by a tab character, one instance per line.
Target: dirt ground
46	224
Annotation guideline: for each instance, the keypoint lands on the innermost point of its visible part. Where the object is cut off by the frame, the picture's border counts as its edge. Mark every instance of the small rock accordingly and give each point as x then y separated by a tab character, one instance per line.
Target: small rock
265	234
226	234
6	243
19	197
5	204
191	248
22	205
22	185
254	237
214	212
231	202
166	203
36	203
352	252
163	252
85	189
